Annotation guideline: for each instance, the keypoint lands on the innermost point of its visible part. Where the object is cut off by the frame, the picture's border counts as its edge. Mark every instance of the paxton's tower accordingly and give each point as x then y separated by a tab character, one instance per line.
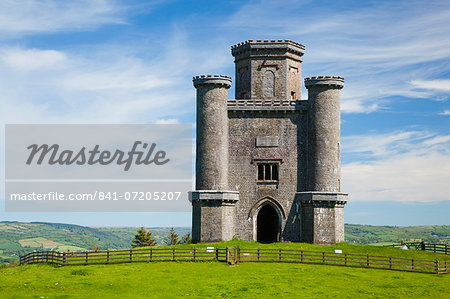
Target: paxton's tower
268	163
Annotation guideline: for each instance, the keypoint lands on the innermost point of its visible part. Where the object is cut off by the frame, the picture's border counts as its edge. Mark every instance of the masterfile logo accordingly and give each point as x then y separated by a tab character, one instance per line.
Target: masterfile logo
98	167
53	155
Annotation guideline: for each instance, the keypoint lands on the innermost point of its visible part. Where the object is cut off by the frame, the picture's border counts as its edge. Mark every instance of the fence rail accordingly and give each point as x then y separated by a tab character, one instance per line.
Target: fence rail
436	248
235	255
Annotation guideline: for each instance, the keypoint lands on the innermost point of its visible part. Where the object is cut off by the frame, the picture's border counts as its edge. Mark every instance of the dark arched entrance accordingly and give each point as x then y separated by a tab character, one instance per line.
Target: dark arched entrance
267	224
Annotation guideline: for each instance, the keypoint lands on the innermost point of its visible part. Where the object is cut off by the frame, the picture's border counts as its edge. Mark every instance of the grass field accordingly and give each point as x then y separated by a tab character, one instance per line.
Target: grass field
216	280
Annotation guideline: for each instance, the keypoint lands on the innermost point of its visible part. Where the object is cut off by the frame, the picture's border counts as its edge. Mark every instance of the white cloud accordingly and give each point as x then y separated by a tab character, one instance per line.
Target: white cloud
440	85
33	59
398	166
445	112
30	16
62	87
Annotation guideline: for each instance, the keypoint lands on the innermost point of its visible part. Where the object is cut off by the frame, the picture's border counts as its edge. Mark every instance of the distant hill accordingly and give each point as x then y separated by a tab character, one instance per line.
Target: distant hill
368	234
17	238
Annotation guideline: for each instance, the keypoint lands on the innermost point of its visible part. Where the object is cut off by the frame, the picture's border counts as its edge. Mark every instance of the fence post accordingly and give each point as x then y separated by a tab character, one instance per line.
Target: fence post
226	256
345	258
412	264
131	255
323	257
436	266
368	261
258	254
301	256
238	254
279	254
86	253
173	254
390	262
107	256
151	254
217	254
194	254
235	255
64	258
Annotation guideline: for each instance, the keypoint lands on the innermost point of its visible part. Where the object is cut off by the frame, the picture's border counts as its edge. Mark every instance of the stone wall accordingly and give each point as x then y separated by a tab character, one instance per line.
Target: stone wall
289	128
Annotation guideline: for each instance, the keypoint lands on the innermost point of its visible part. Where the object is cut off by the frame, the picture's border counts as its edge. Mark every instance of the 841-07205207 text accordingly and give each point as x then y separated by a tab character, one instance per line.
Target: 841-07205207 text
139	195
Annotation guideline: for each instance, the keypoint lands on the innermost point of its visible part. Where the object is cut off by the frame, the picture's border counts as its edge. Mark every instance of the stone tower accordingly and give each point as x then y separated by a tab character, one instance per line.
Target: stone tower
268	166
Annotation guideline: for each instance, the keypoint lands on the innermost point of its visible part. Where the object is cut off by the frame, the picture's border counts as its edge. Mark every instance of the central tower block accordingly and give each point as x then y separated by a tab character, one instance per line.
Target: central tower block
268	69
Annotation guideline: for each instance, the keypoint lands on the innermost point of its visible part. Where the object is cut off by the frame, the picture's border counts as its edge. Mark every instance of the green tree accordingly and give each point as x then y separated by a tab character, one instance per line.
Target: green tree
172	238
143	238
186	239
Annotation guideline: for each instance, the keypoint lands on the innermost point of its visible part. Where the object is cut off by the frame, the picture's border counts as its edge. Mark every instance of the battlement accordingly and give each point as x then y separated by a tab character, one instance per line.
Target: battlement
269	42
220	80
266	47
331	81
252	104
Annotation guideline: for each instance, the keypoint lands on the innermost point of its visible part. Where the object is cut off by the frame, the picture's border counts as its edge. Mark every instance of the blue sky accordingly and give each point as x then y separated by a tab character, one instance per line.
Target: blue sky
102	61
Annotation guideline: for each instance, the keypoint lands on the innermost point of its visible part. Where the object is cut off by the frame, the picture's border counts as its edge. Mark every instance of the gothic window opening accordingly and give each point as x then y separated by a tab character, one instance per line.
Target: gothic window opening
293	97
268	172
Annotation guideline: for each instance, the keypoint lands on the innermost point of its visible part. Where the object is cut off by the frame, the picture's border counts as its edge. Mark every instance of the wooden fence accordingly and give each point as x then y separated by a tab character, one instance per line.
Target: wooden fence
235	255
436	248
342	259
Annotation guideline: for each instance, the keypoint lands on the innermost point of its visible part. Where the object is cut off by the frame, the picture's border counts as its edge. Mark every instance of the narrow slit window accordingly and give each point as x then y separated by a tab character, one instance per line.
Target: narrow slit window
274	172
268	172
260	172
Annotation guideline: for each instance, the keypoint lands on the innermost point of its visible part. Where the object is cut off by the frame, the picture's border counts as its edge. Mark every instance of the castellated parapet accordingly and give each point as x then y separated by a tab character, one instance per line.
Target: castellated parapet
268	166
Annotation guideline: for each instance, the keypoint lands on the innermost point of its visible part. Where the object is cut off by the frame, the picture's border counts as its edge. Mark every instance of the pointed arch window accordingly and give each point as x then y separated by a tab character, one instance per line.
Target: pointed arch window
269	84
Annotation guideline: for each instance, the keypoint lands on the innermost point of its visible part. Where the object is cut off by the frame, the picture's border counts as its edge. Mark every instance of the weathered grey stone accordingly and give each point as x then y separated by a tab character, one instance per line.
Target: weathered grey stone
213	215
212	132
268	130
324	117
322	216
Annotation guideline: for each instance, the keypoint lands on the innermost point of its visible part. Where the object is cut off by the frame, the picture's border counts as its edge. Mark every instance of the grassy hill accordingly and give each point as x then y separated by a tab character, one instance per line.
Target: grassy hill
368	234
218	280
18	238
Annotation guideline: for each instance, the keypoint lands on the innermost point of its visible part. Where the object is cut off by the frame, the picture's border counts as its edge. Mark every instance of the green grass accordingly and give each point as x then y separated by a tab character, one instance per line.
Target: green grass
216	280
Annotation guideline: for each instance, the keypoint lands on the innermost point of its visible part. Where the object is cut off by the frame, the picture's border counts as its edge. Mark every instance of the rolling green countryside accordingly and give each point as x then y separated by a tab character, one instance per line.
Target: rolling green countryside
18	238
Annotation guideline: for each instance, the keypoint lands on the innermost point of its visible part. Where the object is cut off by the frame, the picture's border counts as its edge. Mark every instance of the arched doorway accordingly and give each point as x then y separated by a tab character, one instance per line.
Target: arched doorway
267	224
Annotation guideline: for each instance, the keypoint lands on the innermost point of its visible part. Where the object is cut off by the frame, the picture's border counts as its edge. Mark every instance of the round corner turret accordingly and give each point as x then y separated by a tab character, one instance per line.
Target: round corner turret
220	80
331	81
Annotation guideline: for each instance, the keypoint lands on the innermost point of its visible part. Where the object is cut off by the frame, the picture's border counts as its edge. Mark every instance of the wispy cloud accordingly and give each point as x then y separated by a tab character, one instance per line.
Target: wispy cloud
439	85
398	166
445	112
379	47
29	16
